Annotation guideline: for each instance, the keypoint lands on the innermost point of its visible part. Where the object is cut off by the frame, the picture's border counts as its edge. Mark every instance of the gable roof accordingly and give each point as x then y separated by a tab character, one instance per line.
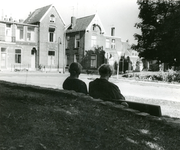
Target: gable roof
37	15
81	24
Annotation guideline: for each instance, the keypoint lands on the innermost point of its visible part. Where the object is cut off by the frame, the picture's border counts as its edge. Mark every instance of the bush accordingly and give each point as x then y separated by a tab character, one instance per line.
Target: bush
170	76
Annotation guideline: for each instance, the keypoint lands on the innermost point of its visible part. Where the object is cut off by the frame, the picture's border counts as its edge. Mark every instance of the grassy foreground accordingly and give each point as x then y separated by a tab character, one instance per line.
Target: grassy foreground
40	119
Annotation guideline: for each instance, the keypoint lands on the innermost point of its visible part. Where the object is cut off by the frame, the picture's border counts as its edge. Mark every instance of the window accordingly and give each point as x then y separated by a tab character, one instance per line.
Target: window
8	25
51	34
52	18
93	41
8	32
51	53
77	41
93	61
8	29
51	58
107	43
96	28
113	44
19	33
30	34
67	42
17	56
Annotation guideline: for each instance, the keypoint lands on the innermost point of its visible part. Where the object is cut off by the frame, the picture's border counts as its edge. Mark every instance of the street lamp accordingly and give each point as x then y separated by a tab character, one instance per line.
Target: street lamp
107	56
119	56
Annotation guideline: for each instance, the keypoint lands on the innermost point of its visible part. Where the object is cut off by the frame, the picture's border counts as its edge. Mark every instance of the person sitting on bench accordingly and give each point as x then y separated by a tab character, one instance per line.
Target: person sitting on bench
103	89
72	82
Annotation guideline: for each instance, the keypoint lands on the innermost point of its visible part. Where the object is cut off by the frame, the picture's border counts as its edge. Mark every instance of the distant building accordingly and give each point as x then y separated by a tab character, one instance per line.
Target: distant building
18	43
87	43
43	42
37	42
82	35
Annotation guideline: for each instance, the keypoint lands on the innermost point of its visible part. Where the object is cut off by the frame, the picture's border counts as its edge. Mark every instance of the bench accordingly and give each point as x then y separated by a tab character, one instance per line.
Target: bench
154	110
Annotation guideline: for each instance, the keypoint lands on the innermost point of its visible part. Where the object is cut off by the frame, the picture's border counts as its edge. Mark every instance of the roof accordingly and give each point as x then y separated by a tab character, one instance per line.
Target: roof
37	15
81	24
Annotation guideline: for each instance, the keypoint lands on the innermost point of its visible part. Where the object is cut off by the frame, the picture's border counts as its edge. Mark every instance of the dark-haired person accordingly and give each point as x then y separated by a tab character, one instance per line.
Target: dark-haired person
102	88
72	82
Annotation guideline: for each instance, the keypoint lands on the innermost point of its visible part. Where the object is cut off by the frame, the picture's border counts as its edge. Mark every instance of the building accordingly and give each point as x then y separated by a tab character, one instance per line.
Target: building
88	44
38	42
18	42
43	42
82	35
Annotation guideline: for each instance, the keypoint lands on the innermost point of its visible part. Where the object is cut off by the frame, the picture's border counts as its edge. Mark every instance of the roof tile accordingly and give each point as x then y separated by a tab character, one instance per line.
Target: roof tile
37	15
81	24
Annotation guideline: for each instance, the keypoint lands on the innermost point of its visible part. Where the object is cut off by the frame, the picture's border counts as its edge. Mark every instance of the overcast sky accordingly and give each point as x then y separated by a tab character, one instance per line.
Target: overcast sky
122	14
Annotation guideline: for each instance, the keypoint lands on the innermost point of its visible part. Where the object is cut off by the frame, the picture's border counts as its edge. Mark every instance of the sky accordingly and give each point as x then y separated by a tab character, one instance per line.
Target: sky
122	14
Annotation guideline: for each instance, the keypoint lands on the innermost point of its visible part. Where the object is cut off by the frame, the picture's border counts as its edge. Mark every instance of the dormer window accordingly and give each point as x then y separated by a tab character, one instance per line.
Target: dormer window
52	18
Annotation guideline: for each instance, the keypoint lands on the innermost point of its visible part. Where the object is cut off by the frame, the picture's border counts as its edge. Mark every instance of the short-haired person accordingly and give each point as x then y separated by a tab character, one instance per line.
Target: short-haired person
102	88
72	82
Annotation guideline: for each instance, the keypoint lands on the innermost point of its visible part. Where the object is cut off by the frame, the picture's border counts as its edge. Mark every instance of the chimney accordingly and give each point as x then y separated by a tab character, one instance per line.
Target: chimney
11	19
113	31
73	21
21	20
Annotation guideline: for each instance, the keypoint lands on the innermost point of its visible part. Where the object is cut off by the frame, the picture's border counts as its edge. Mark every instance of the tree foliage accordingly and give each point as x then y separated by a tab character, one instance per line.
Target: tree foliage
98	52
160	28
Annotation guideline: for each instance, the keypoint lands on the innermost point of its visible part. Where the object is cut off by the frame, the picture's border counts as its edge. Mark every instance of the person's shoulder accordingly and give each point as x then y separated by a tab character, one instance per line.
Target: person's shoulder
112	84
80	81
95	80
66	79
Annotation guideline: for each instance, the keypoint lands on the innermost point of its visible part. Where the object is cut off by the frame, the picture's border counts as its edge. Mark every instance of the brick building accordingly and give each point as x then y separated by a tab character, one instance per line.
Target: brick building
43	41
88	44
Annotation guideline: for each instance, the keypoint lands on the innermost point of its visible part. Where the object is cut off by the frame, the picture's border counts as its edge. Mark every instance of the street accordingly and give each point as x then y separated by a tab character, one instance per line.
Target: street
164	94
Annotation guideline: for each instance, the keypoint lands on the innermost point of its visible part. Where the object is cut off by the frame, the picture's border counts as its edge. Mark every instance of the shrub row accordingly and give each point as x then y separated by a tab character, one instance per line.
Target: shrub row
169	76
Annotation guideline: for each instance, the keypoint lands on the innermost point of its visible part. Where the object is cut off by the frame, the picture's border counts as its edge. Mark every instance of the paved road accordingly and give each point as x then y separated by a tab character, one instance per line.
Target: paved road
141	91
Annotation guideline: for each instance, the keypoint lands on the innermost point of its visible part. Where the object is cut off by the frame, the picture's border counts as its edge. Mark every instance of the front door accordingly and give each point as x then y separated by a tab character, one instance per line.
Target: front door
33	61
33	58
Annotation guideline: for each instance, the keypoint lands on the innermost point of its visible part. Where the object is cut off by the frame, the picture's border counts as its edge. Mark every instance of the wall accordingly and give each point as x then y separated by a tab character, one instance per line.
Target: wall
45	46
10	46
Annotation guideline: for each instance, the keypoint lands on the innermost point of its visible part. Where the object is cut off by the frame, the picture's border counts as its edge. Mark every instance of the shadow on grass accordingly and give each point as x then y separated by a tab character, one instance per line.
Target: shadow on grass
40	118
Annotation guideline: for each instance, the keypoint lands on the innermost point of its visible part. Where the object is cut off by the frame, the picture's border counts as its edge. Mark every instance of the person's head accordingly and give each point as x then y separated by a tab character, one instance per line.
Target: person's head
105	71
75	69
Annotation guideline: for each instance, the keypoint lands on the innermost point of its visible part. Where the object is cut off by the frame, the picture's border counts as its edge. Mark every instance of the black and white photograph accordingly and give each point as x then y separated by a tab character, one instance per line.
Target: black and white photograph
90	75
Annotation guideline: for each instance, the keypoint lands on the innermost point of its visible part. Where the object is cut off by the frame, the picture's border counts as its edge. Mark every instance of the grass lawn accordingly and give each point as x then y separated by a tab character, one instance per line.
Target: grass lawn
34	118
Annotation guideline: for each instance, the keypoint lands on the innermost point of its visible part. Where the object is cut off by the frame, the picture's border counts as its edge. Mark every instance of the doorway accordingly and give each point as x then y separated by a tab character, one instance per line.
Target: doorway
33	58
3	58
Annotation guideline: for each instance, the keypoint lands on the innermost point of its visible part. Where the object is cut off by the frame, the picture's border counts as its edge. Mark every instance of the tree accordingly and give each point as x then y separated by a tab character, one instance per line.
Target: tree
160	28
169	47
98	52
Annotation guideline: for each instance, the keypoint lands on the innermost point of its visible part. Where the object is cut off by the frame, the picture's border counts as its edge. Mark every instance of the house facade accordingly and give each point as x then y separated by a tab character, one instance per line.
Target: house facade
43	42
37	42
88	44
18	43
82	35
